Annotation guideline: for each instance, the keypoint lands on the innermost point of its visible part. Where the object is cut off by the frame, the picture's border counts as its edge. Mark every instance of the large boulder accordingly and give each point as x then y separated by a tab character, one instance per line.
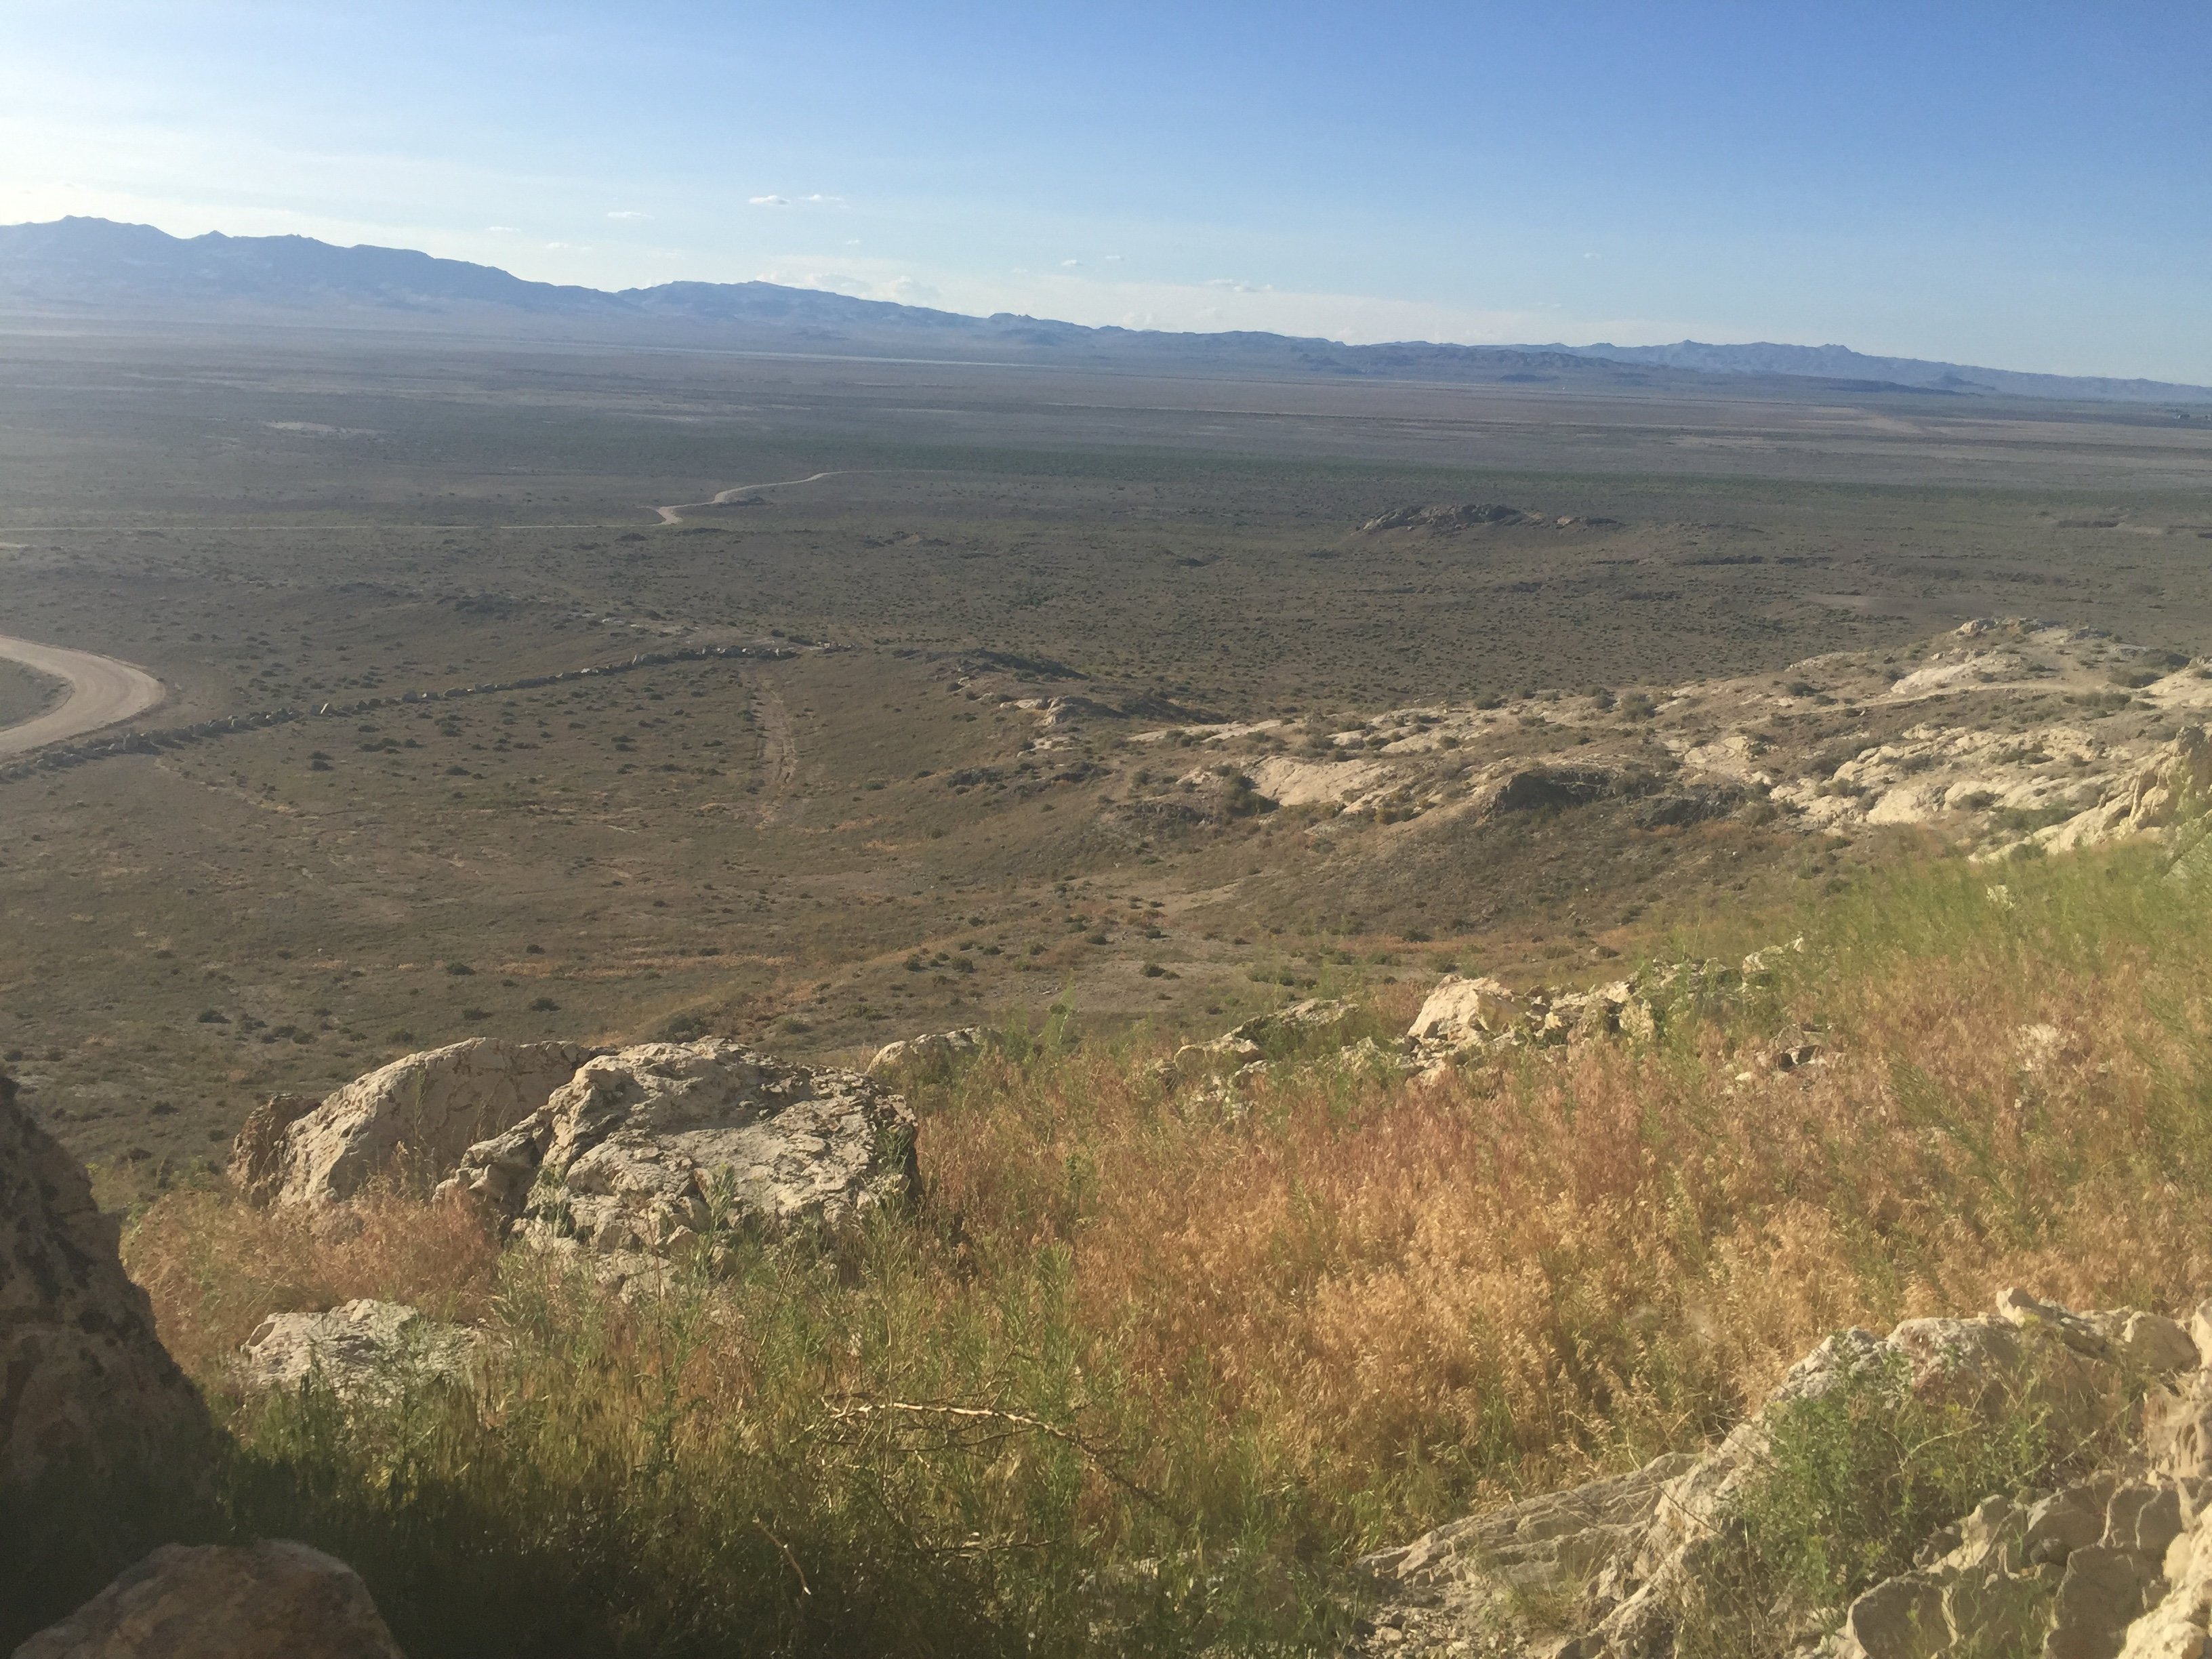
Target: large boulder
435	1105
360	1347
275	1600
655	1147
933	1053
1463	1013
86	1388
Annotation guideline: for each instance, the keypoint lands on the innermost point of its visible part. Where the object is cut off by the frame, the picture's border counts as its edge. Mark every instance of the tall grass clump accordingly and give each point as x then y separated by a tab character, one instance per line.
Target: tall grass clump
1142	1371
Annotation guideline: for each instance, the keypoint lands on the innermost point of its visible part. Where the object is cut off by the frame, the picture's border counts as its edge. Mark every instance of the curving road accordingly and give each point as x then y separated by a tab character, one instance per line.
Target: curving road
101	691
723	498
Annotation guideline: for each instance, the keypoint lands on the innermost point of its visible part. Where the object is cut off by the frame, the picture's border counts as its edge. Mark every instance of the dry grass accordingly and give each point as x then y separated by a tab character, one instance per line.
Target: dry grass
216	1268
1362	1307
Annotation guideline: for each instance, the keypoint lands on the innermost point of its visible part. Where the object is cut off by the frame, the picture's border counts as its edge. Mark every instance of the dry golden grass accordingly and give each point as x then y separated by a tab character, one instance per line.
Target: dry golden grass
216	1268
1366	1305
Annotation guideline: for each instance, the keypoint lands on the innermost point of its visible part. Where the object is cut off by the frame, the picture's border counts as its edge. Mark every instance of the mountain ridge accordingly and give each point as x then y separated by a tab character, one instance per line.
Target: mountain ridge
83	267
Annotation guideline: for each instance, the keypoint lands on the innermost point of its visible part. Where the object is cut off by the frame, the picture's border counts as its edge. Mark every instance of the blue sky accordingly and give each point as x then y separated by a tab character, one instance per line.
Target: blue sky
2020	185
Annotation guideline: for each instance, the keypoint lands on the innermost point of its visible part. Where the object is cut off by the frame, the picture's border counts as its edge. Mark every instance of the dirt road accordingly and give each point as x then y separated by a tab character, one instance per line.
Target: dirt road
723	498
102	692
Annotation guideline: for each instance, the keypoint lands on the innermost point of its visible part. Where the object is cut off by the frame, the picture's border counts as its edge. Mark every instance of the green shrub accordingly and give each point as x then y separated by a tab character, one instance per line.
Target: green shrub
1852	1482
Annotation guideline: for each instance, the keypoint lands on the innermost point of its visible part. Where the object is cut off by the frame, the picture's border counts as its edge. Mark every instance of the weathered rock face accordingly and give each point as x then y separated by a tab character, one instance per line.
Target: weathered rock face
276	1600
2174	781
436	1105
2110	1563
85	1384
655	1147
361	1347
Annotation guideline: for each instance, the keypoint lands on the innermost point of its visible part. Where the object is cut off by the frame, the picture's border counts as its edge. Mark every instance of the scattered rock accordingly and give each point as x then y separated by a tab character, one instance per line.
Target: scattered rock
359	1347
275	1600
86	1388
654	1148
2025	736
433	1105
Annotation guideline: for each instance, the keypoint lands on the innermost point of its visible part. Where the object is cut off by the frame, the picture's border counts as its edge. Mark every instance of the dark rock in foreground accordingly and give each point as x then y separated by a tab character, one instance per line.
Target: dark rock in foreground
89	1389
275	1600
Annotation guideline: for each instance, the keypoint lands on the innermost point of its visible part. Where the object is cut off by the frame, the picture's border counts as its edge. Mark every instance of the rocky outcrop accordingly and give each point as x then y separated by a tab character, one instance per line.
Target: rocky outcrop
934	1053
657	1147
359	1348
1445	519
2021	734
2117	1562
276	1600
431	1106
1312	1022
1467	1017
2175	783
86	1388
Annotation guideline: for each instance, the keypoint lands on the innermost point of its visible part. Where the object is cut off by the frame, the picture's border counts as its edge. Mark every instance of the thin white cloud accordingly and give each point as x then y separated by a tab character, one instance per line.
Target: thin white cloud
627	213
502	230
899	287
770	201
1112	258
1069	265
827	201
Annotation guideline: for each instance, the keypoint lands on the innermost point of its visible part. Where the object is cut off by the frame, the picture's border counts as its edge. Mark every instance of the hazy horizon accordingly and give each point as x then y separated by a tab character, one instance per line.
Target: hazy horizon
1993	186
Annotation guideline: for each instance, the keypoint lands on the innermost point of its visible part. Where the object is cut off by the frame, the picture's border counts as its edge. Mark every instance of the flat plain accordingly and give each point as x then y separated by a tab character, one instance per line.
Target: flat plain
909	804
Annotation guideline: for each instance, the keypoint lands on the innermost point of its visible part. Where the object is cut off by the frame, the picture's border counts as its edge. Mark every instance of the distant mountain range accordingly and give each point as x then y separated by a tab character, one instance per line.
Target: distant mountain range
84	269
1841	362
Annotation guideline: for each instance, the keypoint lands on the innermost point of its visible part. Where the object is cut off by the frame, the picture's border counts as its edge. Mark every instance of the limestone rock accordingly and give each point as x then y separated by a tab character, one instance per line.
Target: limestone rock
1314	1019
654	1147
88	1386
275	1600
1502	1569
359	1347
933	1053
435	1105
2174	780
1463	1013
1602	1571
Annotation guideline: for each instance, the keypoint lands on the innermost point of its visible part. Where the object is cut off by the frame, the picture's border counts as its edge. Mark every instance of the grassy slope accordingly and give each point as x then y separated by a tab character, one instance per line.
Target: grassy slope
1206	1362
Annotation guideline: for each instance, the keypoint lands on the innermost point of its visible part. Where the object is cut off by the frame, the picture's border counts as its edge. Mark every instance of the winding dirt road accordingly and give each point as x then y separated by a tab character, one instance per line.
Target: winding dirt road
675	514
101	691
